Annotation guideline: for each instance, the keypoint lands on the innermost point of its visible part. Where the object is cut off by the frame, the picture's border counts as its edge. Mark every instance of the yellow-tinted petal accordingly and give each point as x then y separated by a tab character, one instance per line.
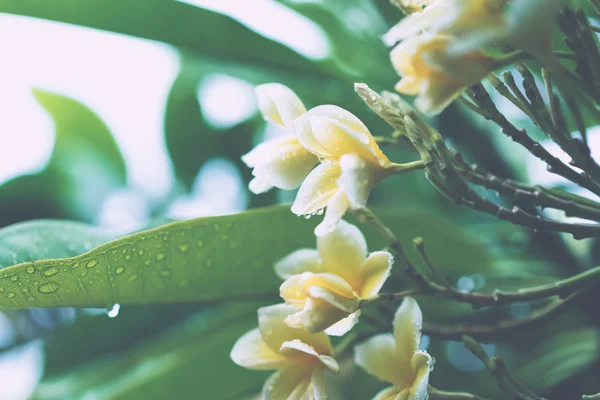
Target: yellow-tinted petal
343	251
295	347
250	351
281	162
375	272
337	206
292	290
279	104
305	281
343	326
303	260
288	383
318	188
358	178
275	331
340	139
387	394
437	93
421	363
316	316
377	356
408	323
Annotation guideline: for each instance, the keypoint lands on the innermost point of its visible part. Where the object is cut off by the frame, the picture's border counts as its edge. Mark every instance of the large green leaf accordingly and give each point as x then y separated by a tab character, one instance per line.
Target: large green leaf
203	260
201	31
85	166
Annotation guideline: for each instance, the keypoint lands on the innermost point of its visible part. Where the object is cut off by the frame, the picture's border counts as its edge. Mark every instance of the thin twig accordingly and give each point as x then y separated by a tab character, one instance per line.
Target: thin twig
419	244
436	394
499	371
491	332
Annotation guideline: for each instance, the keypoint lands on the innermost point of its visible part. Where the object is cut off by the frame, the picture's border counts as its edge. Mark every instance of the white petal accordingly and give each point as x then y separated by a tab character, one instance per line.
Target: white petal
317	189
358	178
422	364
279	104
293	347
408	324
377	356
250	351
336	208
343	326
275	331
260	185
318	385
387	394
375	271
303	260
343	251
316	316
289	383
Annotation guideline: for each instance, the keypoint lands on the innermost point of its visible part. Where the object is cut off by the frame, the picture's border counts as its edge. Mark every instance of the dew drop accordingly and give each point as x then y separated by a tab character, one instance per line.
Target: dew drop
92	263
165	272
84	273
90	282
51	271
35	283
49	287
200	243
119	270
128	257
307	216
14	278
160	256
132	278
320	212
183	248
76	265
30	269
10	295
147	262
141	252
217	228
113	310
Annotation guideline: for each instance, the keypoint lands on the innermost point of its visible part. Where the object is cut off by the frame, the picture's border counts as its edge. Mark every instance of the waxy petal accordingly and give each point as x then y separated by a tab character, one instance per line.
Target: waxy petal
294	347
250	351
375	270
408	324
422	365
275	331
343	252
336	208
318	188
343	326
377	356
390	393
316	316
289	383
358	178
303	260
279	104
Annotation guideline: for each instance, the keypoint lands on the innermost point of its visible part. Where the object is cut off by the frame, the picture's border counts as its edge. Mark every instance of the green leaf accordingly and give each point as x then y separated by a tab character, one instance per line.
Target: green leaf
191	360
201	31
204	259
85	166
42	239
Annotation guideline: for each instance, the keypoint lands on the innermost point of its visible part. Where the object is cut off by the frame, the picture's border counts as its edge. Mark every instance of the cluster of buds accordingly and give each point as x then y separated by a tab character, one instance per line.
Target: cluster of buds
324	288
438	46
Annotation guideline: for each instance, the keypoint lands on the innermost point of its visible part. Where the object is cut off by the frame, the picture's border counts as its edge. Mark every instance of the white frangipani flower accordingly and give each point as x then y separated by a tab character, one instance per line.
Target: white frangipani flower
281	162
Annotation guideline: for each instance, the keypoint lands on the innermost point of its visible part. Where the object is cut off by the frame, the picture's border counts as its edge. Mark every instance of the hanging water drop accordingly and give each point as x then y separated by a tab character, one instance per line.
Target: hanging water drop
113	311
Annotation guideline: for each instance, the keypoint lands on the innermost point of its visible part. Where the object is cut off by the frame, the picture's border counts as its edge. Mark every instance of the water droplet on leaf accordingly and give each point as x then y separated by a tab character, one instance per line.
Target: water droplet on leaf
49	287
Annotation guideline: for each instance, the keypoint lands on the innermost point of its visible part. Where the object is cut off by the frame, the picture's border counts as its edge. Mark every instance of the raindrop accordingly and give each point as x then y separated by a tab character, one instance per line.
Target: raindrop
49	287
30	269
113	311
10	295
92	263
90	282
147	262
200	243
160	256
183	248
320	212
51	271
132	278
128	257
76	265
84	273
119	270
307	216
14	278
141	252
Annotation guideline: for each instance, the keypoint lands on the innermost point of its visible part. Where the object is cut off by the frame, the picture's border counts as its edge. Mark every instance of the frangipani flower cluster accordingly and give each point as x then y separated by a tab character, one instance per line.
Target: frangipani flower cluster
438	50
351	162
327	284
324	288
